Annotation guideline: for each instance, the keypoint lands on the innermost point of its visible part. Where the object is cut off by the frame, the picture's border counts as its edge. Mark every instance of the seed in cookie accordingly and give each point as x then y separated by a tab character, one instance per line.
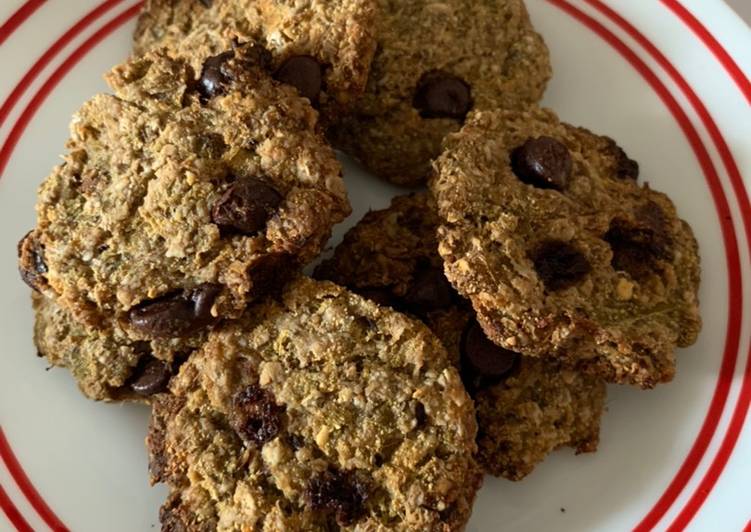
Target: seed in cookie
214	76
31	263
559	264
543	162
430	290
174	315
483	362
255	415
340	493
151	377
442	95
246	206
304	73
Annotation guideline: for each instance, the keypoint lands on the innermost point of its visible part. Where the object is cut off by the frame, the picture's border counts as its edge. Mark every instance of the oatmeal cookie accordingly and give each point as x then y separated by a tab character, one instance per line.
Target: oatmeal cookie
526	407
322	47
436	61
178	203
562	252
316	411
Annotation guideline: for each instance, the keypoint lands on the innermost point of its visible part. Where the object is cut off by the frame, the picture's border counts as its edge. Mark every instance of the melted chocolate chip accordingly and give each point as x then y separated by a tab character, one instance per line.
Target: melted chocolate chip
304	73
430	290
442	95
559	264
150	377
31	264
214	76
255	415
175	315
340	493
246	206
543	162
483	363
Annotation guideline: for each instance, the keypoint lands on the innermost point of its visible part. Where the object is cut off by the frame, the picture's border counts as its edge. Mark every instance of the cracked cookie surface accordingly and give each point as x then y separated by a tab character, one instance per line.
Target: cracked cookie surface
435	62
323	47
316	411
562	252
178	203
526	407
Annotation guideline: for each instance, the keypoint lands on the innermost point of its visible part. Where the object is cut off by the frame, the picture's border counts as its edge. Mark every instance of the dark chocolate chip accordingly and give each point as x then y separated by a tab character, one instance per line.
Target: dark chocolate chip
255	415
304	73
151	376
246	206
430	290
340	493
483	363
214	76
559	264
442	95
31	264
175	315
543	162
638	244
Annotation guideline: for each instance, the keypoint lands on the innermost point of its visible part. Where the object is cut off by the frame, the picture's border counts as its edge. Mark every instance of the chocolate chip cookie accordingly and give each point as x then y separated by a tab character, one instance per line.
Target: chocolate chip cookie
434	63
316	411
323	47
526	407
179	202
545	228
106	365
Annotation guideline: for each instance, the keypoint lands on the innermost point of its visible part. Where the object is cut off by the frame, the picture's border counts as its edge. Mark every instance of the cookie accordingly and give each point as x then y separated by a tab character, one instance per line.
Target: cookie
434	63
545	228
316	411
323	47
526	407
178	203
106	365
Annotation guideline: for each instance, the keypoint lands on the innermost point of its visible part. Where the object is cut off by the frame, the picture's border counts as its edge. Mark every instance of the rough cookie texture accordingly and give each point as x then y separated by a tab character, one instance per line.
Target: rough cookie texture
177	204
524	411
319	411
106	365
337	34
435	61
561	251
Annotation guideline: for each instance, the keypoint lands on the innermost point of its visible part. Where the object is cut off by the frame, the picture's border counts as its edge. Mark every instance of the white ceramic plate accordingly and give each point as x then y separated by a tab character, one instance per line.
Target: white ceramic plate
666	79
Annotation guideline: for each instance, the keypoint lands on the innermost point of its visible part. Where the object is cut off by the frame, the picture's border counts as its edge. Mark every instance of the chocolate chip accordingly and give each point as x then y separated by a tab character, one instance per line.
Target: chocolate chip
175	315
559	264
340	493
255	416
430	290
150	377
442	95
543	162
304	73
214	76
483	363
31	264
638	244
246	206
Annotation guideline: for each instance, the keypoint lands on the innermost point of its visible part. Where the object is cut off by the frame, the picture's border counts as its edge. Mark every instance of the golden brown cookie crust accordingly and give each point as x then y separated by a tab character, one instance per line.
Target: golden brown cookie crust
491	45
623	318
330	386
337	33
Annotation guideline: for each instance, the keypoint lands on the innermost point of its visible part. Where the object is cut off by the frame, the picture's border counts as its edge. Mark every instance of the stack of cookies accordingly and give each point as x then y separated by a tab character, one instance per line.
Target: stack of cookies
467	329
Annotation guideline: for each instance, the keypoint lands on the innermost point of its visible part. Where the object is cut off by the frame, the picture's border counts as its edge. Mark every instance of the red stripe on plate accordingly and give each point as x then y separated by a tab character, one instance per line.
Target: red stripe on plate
26	487
730	354
50	54
15	134
748	527
18	18
12	513
714	46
